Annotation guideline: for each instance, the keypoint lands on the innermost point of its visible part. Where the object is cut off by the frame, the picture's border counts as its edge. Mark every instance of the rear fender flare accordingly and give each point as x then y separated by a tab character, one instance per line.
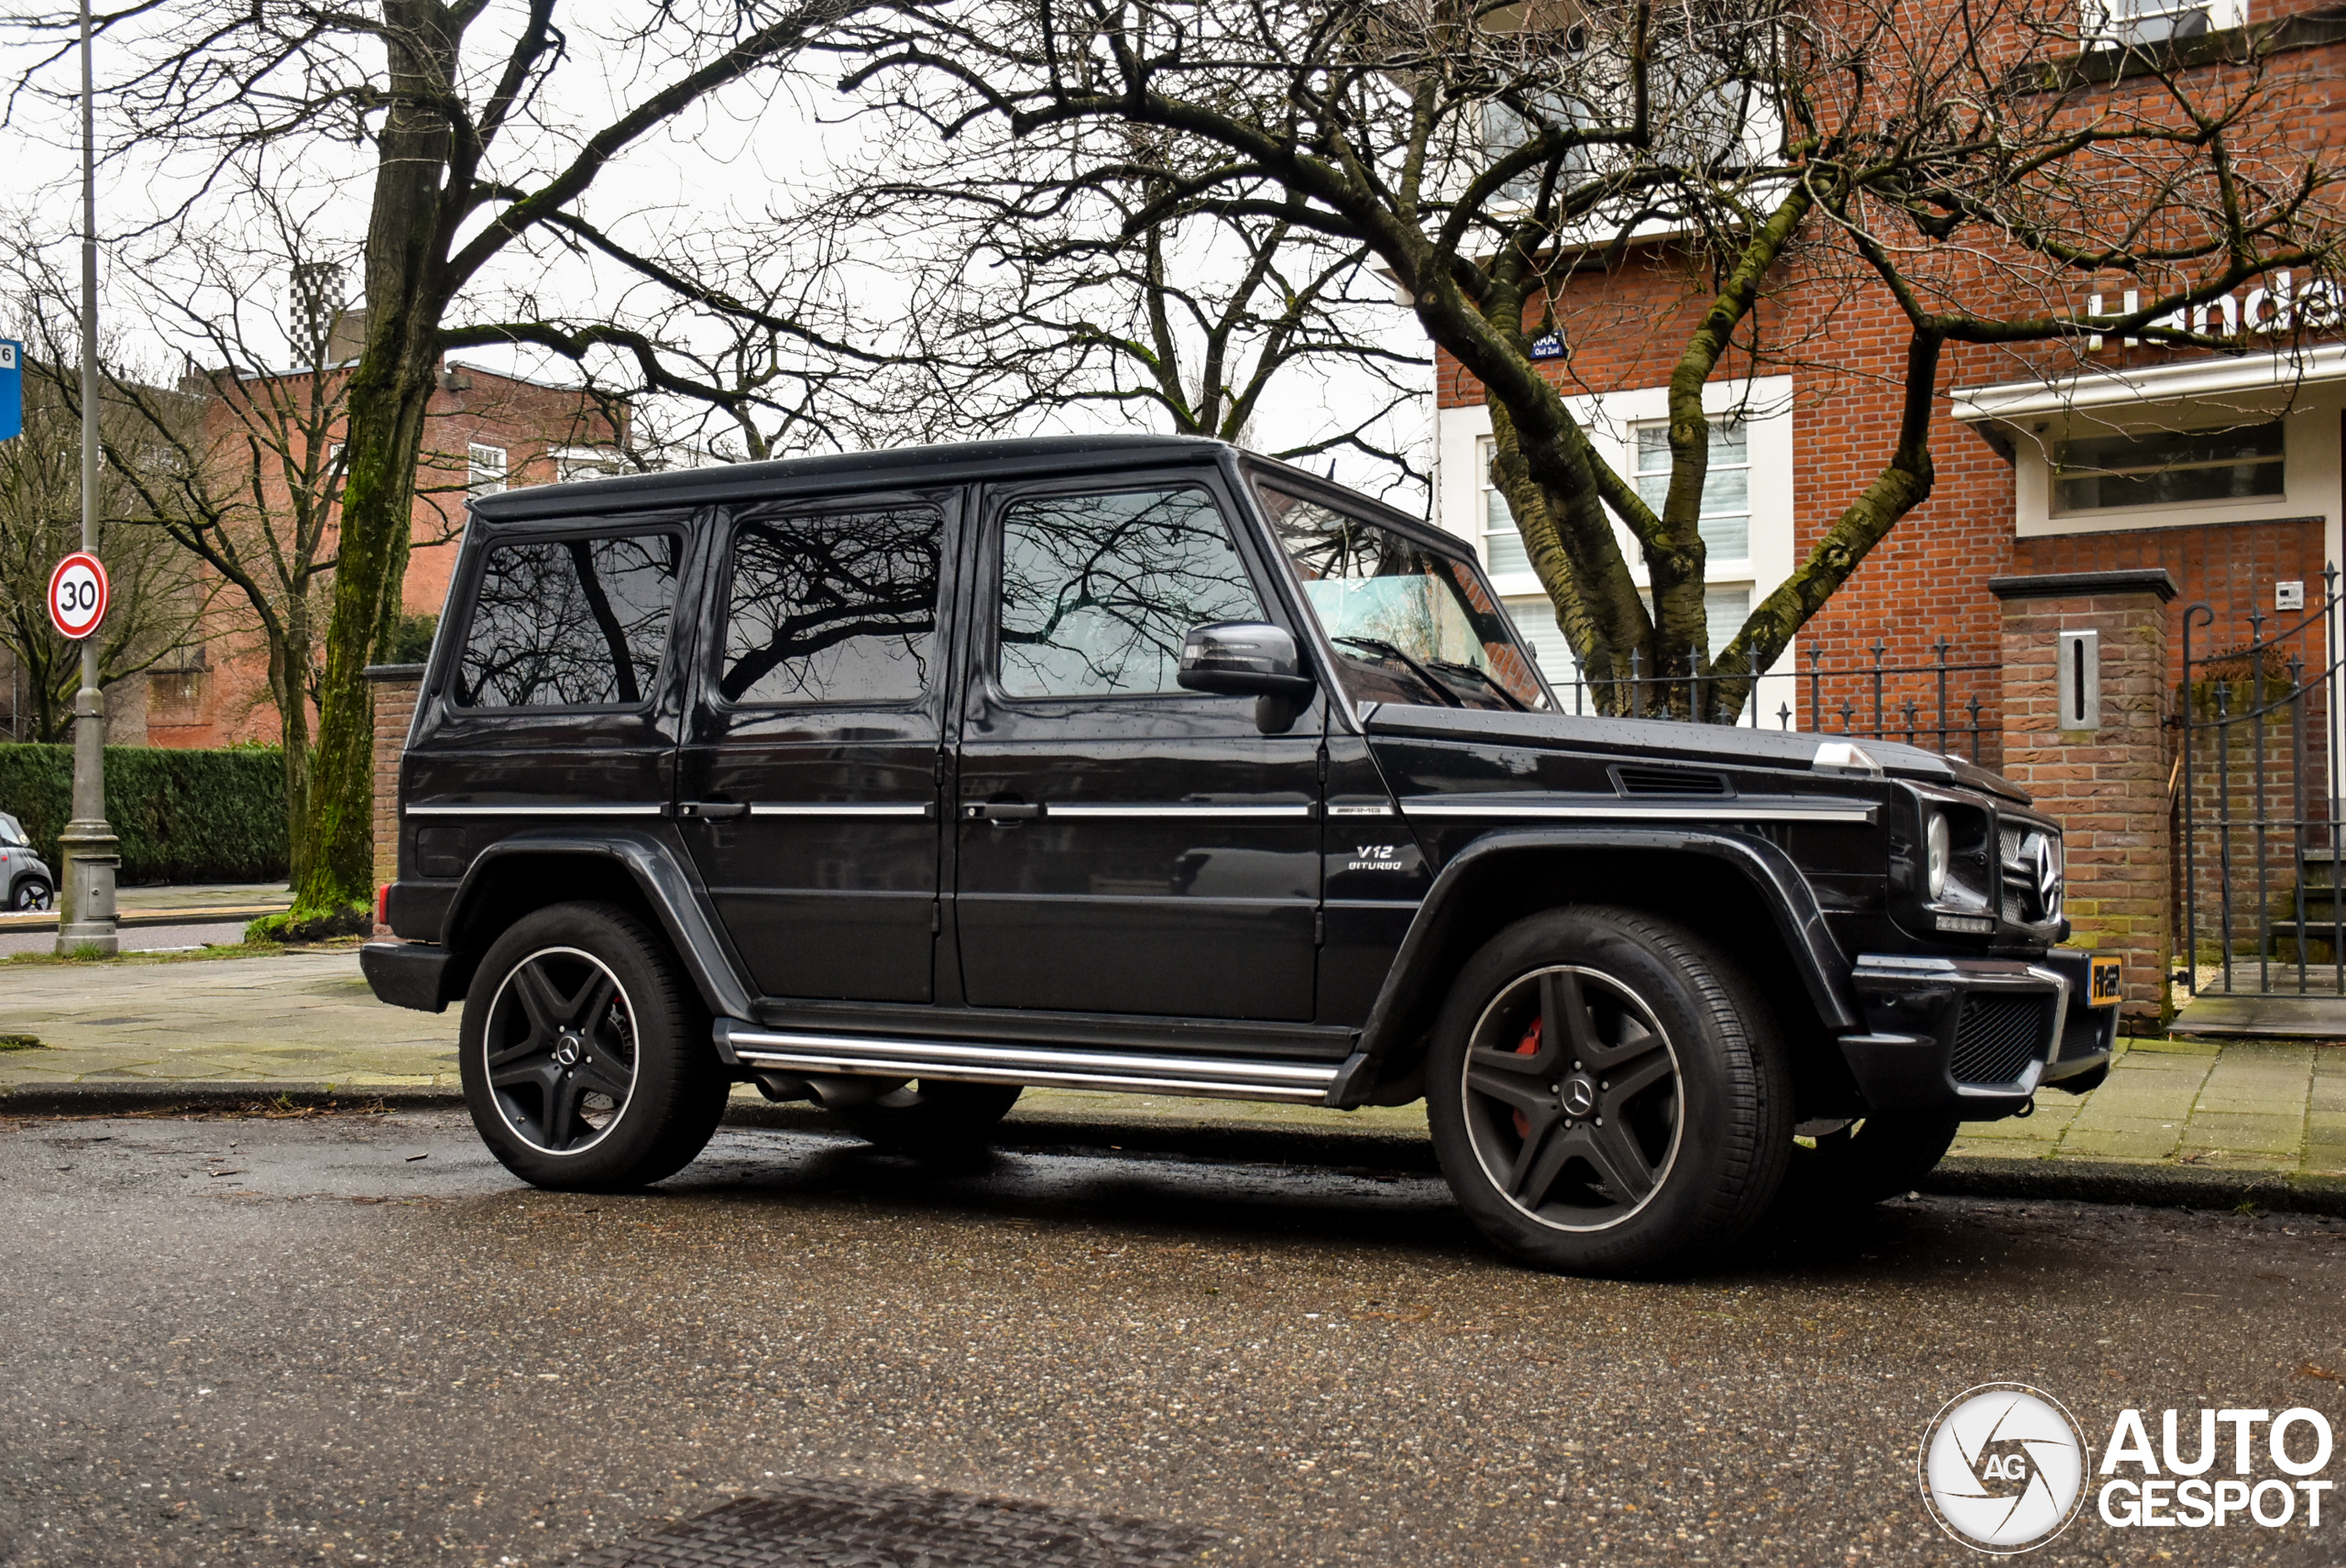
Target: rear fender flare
674	897
1410	994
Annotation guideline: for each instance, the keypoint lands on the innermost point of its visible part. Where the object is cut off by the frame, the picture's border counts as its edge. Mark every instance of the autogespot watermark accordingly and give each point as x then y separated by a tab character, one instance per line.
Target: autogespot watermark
2005	1468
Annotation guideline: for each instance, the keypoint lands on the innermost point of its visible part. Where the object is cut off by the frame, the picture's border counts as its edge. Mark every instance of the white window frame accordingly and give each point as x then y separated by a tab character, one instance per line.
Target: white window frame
2118	24
1636	452
487	471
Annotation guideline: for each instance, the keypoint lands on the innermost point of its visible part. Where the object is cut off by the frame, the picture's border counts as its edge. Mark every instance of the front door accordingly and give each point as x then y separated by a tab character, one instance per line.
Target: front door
807	784
1123	845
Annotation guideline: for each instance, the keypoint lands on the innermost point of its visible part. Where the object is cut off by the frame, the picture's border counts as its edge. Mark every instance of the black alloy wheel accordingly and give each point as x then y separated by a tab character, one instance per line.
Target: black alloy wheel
1573	1095
561	1050
587	1058
32	893
1609	1093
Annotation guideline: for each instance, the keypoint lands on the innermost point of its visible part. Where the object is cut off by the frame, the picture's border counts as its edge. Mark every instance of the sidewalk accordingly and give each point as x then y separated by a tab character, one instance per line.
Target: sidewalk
167	917
2179	1120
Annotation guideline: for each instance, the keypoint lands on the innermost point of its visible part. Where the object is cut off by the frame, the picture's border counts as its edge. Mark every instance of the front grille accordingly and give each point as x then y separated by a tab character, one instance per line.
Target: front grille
1997	1037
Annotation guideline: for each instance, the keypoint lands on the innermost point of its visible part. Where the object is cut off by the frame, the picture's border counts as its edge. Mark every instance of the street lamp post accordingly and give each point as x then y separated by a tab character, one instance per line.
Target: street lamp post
85	909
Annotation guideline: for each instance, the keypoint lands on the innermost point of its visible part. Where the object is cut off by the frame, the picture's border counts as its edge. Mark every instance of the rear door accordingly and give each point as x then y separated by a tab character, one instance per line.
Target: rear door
1123	845
807	786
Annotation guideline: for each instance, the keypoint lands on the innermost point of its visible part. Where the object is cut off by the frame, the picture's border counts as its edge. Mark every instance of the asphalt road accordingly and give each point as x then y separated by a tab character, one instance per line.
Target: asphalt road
264	1342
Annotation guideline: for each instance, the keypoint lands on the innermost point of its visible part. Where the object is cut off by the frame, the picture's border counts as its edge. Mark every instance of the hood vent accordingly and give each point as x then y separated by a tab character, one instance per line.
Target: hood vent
1674	782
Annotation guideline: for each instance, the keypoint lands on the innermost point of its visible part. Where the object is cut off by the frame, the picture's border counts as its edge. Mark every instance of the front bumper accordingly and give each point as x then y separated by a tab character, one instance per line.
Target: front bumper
1978	1036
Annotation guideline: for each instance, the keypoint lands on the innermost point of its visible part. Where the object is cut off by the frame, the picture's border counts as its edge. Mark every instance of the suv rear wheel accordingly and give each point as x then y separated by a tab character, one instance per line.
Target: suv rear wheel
1607	1094
586	1058
931	1116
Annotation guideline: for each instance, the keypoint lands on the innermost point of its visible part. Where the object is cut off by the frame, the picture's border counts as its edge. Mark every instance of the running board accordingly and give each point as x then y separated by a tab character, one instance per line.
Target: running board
970	1061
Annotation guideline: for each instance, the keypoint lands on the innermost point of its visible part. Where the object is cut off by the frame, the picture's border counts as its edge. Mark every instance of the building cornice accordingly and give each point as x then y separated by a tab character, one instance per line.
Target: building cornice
2096	388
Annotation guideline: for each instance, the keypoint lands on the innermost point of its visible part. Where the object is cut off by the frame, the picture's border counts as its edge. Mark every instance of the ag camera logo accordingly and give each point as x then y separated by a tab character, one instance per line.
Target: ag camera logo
2004	1467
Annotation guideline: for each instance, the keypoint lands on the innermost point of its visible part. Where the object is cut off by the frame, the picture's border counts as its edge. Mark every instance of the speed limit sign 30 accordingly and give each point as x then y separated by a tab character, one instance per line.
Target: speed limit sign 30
77	595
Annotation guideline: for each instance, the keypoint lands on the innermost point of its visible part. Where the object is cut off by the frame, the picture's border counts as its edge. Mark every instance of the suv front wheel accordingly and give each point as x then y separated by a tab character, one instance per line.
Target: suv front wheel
1607	1094
586	1059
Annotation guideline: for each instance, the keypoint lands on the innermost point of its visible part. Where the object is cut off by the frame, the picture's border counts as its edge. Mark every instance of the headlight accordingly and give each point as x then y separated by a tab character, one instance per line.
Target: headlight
1941	842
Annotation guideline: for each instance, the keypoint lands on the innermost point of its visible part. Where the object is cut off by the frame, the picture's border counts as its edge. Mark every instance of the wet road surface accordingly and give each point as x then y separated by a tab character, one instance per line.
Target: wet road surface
356	1340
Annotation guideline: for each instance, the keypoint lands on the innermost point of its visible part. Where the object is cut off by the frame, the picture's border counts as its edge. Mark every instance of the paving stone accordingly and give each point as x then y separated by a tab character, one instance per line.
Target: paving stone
2269	1134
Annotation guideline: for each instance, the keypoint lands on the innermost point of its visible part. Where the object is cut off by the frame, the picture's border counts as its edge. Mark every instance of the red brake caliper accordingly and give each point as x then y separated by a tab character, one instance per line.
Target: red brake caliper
1528	1047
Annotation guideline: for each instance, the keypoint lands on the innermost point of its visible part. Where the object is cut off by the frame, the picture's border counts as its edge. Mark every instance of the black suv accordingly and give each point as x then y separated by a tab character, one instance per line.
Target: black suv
900	781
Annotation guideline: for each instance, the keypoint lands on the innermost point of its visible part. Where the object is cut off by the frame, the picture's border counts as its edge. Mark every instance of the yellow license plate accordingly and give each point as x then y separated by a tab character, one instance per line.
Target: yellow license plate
2107	989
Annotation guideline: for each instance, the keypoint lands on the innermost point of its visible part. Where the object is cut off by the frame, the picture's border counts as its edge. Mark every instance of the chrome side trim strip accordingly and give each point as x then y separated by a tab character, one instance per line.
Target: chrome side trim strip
1169	808
836	808
976	1061
626	808
1710	809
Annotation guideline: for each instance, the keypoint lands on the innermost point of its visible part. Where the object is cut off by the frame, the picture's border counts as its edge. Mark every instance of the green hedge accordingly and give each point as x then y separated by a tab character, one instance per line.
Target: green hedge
181	815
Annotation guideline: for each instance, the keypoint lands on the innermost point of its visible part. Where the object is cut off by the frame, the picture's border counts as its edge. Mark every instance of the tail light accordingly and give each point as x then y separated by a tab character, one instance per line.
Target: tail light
383	905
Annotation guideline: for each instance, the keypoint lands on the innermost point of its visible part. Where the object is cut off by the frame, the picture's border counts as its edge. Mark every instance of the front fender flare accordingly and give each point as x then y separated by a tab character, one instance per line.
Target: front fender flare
1404	1005
658	873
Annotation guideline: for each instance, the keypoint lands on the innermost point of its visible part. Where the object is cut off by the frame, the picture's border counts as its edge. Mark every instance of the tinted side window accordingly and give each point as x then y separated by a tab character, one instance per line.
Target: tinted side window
570	623
839	607
1098	591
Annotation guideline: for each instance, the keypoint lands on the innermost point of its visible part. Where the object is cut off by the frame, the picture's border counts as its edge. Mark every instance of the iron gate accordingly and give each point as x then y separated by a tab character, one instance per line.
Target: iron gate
2255	800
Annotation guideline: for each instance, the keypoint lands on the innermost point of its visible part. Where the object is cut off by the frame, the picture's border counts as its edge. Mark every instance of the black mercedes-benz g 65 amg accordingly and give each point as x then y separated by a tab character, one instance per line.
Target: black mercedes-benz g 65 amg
900	781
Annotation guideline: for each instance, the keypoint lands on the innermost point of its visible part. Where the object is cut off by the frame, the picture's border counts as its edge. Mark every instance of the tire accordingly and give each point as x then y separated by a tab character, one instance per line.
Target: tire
1608	1094
585	1056
1865	1161
931	1118
32	893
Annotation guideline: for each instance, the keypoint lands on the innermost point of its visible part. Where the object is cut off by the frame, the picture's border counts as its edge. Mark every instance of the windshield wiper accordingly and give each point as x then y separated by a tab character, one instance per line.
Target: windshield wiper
1432	681
1485	677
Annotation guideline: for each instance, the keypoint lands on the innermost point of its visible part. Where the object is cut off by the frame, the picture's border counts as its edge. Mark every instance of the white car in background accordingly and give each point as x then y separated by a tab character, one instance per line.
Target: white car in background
25	878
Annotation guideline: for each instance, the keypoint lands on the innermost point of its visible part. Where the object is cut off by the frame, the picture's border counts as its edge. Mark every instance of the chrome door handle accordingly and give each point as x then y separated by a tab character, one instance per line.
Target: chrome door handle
1000	811
713	810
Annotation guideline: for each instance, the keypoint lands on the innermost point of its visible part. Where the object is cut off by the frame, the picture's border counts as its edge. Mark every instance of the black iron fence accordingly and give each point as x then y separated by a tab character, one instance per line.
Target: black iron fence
2255	802
1945	702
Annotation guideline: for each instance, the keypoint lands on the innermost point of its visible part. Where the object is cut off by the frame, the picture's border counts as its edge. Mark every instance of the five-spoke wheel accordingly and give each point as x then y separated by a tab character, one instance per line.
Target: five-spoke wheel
561	1050
1607	1093
587	1058
1573	1097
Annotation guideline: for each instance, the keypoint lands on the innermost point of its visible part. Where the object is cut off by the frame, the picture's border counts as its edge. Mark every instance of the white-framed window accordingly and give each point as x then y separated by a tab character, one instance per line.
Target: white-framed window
1503	551
2122	23
2168	468
1726	519
485	469
586	462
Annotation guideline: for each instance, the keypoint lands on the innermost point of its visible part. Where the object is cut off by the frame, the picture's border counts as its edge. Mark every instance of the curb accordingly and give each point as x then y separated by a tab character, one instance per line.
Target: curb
136	918
152	1099
2148	1186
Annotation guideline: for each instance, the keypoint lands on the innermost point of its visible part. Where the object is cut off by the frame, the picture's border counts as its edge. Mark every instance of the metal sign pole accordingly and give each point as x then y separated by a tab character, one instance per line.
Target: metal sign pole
85	914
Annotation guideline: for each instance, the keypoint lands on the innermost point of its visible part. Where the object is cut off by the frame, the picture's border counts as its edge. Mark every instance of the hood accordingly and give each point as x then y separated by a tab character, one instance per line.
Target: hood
1679	742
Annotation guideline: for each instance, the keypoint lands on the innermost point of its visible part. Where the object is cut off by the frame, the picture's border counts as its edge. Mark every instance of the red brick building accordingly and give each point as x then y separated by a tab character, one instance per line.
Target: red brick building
2239	481
484	432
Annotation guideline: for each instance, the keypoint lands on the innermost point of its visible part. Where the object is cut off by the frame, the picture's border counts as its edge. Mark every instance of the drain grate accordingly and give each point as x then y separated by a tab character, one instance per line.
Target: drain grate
827	1523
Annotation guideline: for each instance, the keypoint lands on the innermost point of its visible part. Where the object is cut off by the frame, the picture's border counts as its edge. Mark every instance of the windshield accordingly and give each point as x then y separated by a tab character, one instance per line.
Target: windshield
11	833
1411	625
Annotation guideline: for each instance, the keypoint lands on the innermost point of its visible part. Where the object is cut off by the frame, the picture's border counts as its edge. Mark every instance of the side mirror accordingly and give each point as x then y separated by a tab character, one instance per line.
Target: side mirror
1245	658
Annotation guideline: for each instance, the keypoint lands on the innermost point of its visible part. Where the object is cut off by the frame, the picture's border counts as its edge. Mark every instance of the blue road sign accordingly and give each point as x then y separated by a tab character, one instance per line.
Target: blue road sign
12	387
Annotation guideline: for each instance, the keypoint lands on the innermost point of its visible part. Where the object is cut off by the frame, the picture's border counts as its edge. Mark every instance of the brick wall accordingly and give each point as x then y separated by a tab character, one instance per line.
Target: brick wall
395	692
2106	788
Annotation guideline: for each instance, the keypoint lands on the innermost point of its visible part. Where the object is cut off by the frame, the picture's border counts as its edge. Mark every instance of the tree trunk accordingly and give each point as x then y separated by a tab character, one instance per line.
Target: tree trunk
389	393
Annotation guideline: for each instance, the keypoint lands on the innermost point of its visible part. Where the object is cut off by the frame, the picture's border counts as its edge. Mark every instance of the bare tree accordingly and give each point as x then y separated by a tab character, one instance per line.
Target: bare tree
1976	167
479	153
1060	271
156	597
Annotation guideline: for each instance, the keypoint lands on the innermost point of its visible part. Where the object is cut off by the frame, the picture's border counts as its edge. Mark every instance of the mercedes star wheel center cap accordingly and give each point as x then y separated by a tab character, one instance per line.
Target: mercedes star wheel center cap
1579	1095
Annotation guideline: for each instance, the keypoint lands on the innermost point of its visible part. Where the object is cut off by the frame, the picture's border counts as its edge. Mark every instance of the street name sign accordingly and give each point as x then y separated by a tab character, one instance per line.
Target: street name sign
77	596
